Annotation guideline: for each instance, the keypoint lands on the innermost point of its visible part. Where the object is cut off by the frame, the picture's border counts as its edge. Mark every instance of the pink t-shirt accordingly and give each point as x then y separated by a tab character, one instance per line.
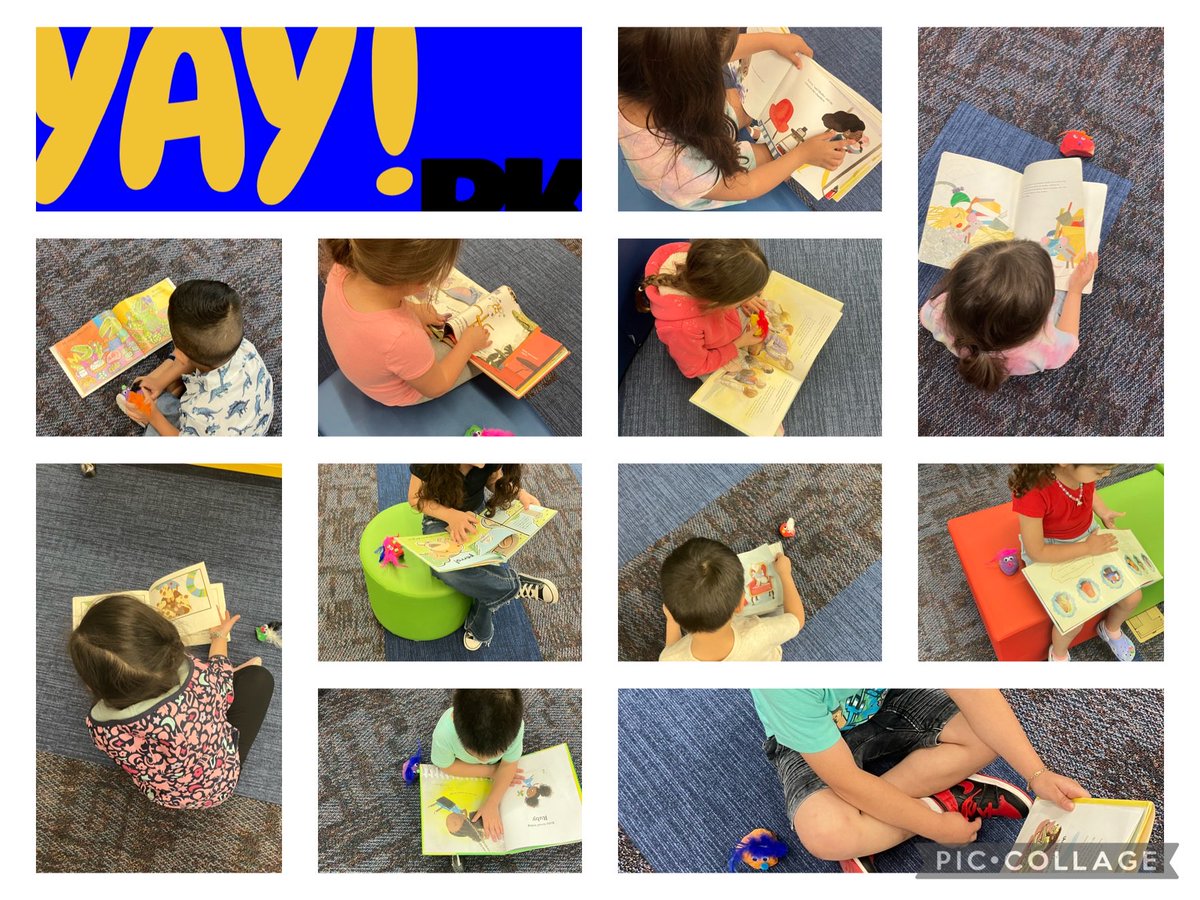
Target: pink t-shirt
379	352
1050	348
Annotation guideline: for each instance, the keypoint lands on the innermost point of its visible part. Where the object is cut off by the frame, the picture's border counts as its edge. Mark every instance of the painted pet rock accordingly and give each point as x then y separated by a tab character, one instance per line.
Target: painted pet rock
1009	560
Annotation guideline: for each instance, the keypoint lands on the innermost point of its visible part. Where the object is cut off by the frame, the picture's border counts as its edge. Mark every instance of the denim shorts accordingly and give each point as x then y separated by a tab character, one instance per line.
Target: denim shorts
908	720
1074	540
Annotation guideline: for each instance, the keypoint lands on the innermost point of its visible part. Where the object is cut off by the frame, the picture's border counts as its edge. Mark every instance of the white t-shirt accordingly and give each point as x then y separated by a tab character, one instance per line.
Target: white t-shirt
755	638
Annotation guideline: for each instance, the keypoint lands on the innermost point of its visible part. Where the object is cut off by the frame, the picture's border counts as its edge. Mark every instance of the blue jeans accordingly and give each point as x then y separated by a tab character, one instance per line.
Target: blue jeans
489	587
1074	540
168	405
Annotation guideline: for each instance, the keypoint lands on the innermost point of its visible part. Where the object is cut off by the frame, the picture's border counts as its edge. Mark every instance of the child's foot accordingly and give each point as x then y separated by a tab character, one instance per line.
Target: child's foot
1053	658
253	661
469	641
984	797
779	431
1121	646
859	864
537	589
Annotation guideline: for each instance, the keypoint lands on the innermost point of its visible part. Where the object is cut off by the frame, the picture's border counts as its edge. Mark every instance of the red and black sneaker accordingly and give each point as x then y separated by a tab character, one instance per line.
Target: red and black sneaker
984	797
859	864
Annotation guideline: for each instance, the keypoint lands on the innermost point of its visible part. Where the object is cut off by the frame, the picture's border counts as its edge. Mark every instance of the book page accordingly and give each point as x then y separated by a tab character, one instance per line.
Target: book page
1074	591
972	203
1052	210
544	810
80	606
186	599
523	368
762	591
98	352
495	540
144	316
498	312
1092	821
448	803
1141	568
748	394
205	637
525	521
801	321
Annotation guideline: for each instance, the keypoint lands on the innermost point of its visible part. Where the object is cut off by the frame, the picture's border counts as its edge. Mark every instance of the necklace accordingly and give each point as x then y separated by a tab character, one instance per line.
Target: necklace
1078	501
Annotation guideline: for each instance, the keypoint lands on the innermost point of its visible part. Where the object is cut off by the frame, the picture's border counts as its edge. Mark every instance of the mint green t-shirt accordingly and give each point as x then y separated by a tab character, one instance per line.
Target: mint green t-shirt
809	720
447	747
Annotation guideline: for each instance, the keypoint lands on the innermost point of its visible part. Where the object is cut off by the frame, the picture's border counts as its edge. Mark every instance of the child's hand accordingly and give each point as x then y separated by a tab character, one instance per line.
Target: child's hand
226	626
748	339
792	47
428	315
527	499
476	338
754	305
1109	517
1098	543
953	829
462	525
1083	272
489	815
1058	789
518	777
783	566
670	618
136	414
823	151
150	386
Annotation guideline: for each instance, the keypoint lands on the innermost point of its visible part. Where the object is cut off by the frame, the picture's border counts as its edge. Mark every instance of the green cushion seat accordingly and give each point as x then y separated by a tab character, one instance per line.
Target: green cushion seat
409	602
1141	498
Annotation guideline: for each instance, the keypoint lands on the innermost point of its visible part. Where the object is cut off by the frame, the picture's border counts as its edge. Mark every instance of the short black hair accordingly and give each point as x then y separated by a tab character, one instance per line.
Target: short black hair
206	321
702	584
487	719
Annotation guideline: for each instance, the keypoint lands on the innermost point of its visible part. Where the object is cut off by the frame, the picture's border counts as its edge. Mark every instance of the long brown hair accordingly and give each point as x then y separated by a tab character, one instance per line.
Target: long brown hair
717	272
675	73
390	261
445	486
998	296
1027	476
126	652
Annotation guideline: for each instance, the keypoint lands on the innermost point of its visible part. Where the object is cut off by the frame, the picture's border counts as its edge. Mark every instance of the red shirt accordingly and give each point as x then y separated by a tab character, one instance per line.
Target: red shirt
1061	518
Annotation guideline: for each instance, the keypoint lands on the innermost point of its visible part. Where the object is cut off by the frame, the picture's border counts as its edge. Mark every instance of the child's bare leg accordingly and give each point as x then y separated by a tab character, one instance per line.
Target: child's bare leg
253	661
1120	612
735	101
830	828
1059	643
176	387
959	753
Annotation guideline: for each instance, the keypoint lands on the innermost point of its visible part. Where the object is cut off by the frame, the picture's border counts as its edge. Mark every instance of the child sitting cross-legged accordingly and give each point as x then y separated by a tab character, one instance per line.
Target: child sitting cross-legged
702	586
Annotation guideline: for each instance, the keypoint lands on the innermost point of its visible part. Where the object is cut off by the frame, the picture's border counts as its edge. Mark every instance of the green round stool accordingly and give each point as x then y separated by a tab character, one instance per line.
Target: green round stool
409	602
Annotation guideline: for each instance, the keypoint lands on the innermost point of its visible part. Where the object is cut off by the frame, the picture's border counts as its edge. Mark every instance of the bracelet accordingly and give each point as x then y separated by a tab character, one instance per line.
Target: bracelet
1029	780
215	635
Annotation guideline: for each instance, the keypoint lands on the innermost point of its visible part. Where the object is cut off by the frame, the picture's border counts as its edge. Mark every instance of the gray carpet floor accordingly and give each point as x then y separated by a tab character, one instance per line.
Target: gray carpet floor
76	279
948	623
837	510
1045	81
368	819
348	500
842	393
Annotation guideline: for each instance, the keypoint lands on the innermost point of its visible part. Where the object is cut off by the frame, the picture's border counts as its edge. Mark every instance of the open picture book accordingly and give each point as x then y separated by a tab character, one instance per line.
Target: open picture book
520	355
797	104
186	597
1072	592
1114	823
754	391
762	592
545	809
113	340
976	202
495	540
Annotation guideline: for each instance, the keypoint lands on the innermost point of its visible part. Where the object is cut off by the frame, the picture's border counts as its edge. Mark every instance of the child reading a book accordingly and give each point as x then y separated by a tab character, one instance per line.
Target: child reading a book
450	497
998	312
821	740
702	585
377	329
181	727
703	294
214	382
1056	505
679	112
481	736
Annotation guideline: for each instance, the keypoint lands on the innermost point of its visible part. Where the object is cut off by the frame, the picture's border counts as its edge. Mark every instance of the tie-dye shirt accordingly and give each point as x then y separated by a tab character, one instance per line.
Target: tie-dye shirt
1050	348
236	398
182	753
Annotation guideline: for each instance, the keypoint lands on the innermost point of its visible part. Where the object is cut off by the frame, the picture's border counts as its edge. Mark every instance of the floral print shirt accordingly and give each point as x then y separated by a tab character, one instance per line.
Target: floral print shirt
182	753
236	398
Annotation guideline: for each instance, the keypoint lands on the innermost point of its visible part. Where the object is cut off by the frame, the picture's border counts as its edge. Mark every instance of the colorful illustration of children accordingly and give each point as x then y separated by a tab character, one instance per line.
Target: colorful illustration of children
852	129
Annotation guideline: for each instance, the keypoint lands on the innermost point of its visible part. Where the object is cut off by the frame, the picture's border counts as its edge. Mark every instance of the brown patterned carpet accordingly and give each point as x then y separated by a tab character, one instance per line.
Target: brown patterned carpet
368	819
948	624
837	510
86	823
1108	81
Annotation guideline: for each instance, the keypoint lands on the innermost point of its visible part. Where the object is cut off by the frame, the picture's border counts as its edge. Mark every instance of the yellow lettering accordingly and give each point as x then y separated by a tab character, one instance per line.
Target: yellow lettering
298	106
215	116
394	86
73	105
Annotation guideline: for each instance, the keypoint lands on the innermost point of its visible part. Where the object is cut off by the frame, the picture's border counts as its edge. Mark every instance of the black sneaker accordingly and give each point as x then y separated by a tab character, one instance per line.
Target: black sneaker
984	797
537	589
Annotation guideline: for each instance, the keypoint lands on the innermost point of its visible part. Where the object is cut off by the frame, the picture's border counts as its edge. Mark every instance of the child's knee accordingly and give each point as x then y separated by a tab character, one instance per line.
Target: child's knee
1131	601
825	832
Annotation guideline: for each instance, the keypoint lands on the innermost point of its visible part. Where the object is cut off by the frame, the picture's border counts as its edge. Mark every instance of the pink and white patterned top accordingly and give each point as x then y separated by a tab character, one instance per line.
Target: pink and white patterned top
678	175
181	754
1050	348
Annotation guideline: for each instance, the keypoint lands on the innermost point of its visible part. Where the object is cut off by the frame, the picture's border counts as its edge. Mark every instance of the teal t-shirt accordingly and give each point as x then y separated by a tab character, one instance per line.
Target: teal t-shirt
809	720
447	747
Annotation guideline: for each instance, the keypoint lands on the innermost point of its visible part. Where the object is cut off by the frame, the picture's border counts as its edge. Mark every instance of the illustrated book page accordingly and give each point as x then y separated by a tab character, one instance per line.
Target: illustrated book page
495	540
762	591
186	597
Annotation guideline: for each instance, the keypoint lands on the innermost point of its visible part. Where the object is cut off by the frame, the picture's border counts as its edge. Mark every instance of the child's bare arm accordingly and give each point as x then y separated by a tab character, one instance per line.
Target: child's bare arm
1069	320
792	601
470	770
165	374
444	372
819	150
462	524
1034	541
674	632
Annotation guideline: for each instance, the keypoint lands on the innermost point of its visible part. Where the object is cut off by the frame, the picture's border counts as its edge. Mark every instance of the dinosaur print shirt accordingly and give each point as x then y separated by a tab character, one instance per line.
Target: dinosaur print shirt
182	752
236	398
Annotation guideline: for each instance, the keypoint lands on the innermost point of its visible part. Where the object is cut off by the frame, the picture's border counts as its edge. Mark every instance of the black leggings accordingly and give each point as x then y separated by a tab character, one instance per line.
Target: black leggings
252	690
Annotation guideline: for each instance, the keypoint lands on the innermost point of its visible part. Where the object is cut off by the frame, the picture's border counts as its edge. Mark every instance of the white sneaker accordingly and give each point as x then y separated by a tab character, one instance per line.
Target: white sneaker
537	589
469	641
